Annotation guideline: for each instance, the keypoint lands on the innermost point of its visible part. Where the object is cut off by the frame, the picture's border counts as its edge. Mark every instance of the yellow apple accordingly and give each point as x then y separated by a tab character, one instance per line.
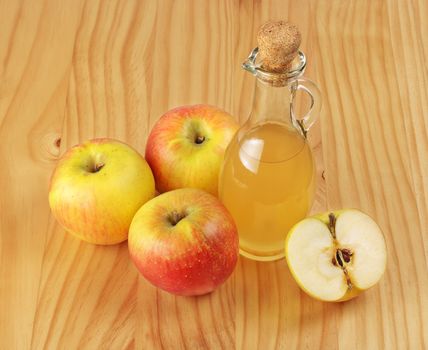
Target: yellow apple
97	187
335	256
186	147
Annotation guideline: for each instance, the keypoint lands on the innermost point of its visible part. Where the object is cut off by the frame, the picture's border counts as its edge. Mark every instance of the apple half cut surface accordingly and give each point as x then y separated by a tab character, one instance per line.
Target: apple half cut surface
335	256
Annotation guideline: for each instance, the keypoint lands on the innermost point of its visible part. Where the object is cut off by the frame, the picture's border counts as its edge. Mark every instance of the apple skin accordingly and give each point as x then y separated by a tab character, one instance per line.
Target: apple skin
177	160
191	258
324	217
98	207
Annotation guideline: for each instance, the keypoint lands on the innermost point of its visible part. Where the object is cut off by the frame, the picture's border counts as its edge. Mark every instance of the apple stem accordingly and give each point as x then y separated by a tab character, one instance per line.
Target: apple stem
175	217
199	139
332	224
98	167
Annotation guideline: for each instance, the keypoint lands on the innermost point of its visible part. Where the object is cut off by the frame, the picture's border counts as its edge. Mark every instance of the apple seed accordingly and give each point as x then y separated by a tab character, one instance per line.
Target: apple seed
343	257
346	253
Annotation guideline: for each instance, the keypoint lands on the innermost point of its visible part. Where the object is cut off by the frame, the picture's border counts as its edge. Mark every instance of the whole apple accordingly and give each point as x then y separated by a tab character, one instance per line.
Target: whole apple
186	147
184	242
96	189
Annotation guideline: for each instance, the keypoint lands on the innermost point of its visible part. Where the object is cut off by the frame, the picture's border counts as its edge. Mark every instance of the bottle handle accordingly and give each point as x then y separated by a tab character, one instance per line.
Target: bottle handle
304	123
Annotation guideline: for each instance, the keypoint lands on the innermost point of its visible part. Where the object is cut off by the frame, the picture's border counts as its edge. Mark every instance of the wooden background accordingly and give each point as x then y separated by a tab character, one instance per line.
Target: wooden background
72	70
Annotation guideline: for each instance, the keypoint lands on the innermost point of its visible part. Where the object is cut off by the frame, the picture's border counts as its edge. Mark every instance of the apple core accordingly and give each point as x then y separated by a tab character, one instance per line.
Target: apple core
342	256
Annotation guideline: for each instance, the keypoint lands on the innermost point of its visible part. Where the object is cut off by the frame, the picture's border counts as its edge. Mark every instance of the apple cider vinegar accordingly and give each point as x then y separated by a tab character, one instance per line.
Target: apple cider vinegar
268	185
267	180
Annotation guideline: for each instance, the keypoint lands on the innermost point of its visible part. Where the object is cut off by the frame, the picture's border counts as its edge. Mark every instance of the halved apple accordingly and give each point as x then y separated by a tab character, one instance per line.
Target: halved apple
335	256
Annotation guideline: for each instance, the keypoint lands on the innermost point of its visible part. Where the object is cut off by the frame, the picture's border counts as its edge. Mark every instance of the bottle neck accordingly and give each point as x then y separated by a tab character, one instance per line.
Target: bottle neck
271	104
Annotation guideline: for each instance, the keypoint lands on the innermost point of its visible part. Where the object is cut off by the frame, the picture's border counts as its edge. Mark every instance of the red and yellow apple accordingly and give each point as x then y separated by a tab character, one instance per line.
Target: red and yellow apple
335	256
186	147
96	189
184	242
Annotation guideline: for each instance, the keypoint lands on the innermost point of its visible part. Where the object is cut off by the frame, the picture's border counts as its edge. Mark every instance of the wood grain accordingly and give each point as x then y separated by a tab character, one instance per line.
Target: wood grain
35	62
74	70
372	169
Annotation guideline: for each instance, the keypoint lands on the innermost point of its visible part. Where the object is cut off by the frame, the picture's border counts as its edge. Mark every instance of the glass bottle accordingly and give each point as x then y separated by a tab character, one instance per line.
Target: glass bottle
267	179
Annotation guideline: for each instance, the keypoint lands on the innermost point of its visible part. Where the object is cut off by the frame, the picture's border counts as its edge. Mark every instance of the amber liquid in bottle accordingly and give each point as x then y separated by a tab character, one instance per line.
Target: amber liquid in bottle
267	188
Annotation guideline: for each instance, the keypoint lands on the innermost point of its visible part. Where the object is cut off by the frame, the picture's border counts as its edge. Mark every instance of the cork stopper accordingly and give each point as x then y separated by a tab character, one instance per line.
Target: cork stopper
278	44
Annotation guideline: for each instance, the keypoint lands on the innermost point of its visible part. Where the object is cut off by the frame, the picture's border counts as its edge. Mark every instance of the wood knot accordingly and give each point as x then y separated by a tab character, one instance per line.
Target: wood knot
49	146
